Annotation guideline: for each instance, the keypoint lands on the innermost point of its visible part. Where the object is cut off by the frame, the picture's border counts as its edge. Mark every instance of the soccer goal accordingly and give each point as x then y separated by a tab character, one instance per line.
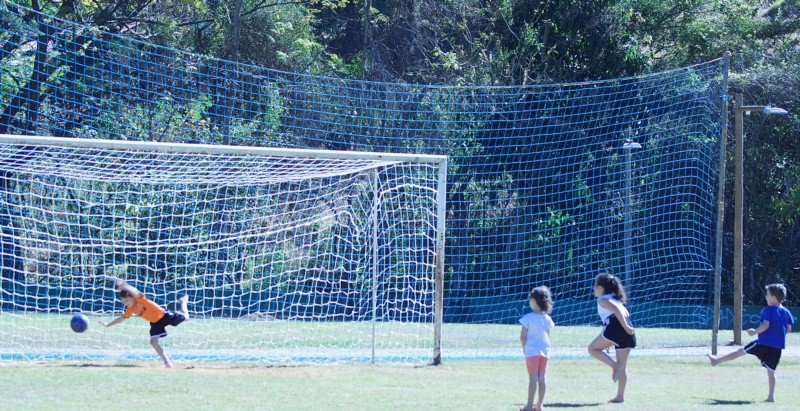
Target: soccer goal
287	255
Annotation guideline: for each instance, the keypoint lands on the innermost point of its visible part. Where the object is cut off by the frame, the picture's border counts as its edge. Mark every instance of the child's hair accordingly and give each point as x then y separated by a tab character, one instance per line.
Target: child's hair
778	291
612	285
543	298
124	294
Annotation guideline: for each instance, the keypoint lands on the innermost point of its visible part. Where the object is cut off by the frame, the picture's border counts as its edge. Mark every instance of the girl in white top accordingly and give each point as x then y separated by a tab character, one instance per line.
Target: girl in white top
535	339
617	330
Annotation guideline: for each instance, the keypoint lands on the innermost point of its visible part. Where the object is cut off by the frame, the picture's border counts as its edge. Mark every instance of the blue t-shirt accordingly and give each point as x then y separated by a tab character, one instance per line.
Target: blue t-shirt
778	317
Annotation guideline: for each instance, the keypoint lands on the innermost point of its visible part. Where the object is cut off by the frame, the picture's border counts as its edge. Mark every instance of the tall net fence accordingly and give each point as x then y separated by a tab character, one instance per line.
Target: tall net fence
541	190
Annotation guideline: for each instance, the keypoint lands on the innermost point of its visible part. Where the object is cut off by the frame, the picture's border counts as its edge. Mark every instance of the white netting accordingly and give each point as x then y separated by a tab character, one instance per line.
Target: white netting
285	258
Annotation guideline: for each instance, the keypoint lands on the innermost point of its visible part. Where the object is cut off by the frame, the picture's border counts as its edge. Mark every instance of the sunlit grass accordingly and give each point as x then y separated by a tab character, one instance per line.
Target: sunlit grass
22	332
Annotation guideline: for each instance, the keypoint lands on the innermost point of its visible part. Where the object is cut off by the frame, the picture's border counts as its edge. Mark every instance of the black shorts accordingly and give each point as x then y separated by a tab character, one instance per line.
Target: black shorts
769	356
159	328
614	332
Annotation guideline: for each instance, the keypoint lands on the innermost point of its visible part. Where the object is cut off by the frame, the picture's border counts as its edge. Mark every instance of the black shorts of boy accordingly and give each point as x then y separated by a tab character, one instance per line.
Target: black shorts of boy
159	328
614	332
769	356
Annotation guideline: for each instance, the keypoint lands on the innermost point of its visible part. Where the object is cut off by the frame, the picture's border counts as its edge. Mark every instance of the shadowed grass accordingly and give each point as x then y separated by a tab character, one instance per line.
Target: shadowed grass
655	383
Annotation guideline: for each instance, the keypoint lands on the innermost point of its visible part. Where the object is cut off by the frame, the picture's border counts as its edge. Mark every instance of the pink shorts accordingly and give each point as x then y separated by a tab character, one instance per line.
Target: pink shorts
536	364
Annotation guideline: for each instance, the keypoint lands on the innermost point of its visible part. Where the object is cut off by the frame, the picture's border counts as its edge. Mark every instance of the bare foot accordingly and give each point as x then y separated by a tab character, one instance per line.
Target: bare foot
713	359
616	400
167	365
617	372
182	302
526	408
770	400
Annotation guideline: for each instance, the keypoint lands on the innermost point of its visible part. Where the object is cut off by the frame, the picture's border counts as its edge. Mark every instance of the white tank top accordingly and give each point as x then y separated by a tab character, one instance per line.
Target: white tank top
603	312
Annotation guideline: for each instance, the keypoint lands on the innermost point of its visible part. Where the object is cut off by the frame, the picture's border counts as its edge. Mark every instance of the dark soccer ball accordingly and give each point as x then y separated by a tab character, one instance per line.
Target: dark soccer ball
79	323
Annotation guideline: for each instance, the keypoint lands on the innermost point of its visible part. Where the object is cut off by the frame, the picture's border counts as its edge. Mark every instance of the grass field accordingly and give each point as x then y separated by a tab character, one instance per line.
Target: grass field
47	336
482	369
655	383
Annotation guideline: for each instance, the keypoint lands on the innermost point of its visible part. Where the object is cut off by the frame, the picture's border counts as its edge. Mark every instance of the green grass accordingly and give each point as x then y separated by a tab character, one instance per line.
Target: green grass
51	331
655	383
661	378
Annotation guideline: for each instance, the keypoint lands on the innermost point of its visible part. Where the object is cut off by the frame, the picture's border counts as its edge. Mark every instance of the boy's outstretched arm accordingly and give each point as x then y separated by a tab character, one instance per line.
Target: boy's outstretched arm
114	322
761	328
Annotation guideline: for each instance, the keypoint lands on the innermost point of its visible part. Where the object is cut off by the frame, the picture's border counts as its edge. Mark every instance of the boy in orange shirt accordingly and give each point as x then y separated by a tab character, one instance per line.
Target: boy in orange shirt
159	318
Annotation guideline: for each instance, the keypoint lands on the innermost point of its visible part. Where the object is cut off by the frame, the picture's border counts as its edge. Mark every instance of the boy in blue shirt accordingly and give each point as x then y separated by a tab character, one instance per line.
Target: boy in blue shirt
776	322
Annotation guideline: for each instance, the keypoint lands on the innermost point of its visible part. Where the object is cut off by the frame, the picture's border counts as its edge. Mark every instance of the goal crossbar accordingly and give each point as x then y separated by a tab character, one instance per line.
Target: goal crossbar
217	149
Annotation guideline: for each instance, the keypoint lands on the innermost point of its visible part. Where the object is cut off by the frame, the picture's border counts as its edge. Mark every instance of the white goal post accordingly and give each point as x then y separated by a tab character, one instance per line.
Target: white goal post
287	255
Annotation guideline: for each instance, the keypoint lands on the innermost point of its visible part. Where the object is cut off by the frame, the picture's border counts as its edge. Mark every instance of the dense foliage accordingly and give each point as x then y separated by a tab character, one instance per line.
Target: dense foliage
487	42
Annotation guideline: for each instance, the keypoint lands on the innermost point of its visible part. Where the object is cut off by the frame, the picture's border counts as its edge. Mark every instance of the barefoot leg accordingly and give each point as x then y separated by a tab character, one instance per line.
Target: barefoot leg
727	357
621	374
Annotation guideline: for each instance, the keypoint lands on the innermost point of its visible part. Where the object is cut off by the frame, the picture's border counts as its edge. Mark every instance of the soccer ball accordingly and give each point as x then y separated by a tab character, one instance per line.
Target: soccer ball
79	323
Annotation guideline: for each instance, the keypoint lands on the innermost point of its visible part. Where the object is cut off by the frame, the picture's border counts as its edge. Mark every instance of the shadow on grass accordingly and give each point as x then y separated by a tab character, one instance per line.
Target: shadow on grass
87	365
572	404
154	365
728	402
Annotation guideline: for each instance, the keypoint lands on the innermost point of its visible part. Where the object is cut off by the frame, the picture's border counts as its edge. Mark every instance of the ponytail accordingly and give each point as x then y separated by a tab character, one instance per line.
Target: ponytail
612	285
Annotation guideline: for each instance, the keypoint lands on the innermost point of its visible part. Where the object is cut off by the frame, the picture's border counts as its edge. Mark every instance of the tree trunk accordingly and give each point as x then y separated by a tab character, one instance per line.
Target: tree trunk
236	29
367	39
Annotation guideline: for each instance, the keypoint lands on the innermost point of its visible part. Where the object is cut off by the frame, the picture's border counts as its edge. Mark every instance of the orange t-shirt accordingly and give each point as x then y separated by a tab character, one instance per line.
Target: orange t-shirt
144	308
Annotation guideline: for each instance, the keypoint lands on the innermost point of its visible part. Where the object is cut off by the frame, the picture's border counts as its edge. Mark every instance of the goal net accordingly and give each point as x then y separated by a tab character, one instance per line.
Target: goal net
286	255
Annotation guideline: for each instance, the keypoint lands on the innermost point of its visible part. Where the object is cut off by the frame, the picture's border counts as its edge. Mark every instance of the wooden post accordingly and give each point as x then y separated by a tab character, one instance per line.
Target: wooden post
720	204
738	220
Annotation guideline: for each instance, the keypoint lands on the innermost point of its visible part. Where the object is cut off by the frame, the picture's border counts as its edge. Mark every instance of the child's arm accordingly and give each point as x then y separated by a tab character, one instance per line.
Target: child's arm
761	328
115	322
615	308
523	336
124	286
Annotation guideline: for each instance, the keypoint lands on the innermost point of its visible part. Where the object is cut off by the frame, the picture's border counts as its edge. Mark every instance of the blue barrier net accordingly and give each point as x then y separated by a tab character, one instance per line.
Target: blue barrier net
542	188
